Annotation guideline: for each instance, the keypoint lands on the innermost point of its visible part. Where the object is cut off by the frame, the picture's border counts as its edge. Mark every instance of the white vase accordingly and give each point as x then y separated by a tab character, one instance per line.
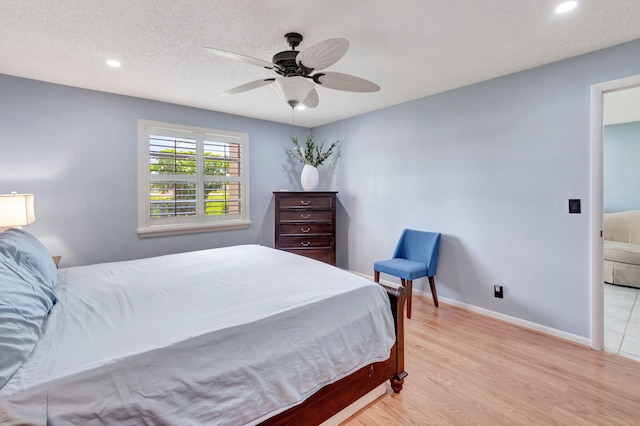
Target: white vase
309	178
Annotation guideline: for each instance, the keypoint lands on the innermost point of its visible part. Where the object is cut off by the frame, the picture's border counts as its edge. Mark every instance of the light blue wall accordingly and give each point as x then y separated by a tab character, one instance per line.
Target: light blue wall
621	167
492	167
75	150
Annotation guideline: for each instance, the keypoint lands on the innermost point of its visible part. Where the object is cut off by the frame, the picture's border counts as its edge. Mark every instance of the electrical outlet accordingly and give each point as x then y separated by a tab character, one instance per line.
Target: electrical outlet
498	291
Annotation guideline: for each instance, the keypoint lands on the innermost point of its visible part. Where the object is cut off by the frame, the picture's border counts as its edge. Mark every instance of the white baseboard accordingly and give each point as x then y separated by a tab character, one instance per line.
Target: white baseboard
497	315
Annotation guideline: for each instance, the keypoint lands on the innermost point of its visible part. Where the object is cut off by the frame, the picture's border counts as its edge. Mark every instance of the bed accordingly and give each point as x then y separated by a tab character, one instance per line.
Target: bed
237	335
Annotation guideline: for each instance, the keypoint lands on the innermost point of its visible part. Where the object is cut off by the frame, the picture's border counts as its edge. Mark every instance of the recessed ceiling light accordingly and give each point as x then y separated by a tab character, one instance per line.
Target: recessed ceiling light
113	63
567	6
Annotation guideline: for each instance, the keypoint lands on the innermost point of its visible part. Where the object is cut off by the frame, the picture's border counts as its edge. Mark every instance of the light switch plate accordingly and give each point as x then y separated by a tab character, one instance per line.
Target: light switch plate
574	206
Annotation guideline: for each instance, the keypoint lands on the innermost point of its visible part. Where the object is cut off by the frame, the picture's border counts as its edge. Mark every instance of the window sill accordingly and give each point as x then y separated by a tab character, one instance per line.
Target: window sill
163	230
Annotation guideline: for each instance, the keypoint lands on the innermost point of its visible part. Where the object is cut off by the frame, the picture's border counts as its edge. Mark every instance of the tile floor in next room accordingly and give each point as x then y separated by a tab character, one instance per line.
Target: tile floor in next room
622	321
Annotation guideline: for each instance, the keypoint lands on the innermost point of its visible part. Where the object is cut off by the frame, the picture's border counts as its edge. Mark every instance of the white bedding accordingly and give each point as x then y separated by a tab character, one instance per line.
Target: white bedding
227	336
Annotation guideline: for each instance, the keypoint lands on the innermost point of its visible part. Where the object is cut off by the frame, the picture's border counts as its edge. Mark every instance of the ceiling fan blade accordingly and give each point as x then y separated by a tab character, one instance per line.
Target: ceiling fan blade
323	54
346	82
249	86
312	100
241	58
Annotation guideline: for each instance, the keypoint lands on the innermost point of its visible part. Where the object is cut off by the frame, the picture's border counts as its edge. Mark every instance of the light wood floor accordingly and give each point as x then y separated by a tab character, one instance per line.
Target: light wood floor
465	368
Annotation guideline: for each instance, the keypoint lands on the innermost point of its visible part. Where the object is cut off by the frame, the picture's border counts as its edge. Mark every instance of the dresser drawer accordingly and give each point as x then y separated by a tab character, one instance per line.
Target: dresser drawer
311	241
306	228
306	201
305	215
325	255
305	224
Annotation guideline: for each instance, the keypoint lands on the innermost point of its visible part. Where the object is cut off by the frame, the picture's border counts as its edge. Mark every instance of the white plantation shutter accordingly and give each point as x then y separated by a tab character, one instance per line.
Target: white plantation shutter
222	177
172	177
191	179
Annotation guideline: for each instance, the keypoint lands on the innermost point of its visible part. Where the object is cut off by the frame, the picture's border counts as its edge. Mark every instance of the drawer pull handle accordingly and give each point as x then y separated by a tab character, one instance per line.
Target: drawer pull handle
305	230
305	216
305	203
305	243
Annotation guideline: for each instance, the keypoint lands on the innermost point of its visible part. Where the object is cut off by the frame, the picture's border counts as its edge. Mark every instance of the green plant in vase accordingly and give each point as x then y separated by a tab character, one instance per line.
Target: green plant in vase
311	155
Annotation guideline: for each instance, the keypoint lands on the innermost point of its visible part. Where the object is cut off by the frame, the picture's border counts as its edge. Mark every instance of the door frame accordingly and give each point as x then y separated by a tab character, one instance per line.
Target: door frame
597	202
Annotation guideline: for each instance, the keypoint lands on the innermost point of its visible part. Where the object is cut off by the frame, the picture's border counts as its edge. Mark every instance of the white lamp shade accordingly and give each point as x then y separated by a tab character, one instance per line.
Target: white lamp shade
293	90
17	209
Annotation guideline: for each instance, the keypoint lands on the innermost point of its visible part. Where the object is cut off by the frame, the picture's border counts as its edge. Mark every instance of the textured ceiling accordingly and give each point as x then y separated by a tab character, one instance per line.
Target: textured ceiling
411	48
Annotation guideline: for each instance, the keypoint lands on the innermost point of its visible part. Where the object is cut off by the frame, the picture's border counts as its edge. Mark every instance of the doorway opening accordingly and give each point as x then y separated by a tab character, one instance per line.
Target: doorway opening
598	92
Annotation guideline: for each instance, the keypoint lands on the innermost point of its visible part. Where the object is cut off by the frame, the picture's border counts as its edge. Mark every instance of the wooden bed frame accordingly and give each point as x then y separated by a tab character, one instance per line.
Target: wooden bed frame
334	397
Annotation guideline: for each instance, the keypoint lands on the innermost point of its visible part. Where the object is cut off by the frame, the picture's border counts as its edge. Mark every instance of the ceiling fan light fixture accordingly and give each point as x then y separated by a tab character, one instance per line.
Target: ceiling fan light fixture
299	71
293	90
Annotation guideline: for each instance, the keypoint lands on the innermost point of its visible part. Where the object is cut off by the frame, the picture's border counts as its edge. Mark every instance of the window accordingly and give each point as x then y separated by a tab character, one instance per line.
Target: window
191	179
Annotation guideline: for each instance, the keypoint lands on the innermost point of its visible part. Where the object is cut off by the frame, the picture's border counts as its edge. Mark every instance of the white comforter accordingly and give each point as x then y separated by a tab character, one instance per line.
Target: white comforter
227	336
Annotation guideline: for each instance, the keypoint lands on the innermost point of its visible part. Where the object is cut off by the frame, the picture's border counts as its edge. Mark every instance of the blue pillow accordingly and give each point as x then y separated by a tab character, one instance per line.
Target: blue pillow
27	278
27	251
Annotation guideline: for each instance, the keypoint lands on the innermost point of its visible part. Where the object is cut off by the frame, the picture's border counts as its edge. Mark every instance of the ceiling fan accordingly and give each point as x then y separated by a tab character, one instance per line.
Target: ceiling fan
298	70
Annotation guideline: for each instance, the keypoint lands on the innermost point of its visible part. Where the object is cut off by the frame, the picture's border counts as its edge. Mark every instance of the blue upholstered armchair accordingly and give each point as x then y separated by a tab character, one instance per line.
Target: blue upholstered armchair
416	256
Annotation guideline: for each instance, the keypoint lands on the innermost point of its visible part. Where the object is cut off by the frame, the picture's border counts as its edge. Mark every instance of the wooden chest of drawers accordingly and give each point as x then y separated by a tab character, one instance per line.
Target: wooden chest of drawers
306	224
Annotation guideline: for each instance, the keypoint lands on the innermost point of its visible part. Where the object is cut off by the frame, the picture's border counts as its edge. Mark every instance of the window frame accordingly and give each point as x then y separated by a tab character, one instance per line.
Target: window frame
150	227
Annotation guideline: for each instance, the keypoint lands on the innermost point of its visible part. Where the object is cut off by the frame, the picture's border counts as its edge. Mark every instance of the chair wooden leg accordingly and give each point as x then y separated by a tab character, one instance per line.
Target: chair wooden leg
409	286
432	284
376	276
